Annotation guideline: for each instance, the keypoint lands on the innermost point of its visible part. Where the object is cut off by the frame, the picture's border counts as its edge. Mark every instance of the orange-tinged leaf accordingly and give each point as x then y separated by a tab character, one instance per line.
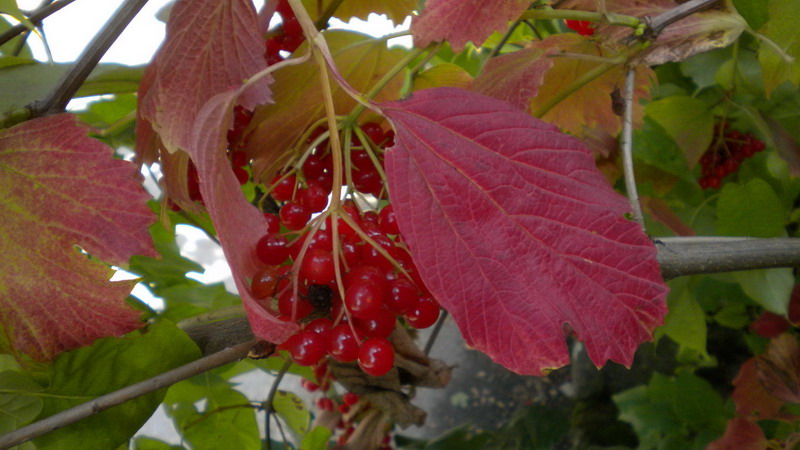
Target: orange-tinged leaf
517	234
460	21
515	77
238	224
361	60
445	74
61	189
591	105
395	10
750	396
741	434
779	368
212	46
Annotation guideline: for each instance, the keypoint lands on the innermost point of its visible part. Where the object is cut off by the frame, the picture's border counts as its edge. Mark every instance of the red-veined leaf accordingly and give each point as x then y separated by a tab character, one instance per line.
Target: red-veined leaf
517	234
459	21
515	77
212	46
60	189
239	224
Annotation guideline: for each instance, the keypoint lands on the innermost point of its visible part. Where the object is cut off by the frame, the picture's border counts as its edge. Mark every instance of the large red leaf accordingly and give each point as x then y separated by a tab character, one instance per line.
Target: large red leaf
459	21
239	224
211	47
517	234
60	189
751	397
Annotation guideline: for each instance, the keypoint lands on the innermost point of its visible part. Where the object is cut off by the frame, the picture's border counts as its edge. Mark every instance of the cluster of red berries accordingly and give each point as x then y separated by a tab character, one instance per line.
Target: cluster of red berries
582	27
287	39
239	159
379	281
350	406
725	154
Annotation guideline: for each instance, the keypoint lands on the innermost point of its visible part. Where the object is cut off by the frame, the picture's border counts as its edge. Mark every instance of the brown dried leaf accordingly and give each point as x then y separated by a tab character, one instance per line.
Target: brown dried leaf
779	368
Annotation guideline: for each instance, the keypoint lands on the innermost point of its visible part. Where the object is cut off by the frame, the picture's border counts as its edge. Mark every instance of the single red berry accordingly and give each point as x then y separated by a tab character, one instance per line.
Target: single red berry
292	42
350	398
344	408
322	239
388	221
582	27
272	249
314	197
273	223
283	187
363	299
376	357
310	386
317	267
312	167
239	159
294	306
374	132
264	282
325	404
284	9
401	295
241	175
368	182
424	313
388	140
342	345
321	326
713	182
371	256
294	216
305	347
380	325
351	252
369	273
361	160
291	27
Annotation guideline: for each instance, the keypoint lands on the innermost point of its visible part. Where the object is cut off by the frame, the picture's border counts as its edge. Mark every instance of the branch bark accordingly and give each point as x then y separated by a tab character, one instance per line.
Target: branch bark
104	402
35	18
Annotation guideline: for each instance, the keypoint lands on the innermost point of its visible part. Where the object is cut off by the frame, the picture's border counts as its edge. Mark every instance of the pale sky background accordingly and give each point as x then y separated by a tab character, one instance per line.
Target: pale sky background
70	30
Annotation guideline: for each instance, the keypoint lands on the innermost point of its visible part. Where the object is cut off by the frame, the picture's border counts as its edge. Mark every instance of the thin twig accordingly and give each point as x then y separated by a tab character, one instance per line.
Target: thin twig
505	38
57	101
104	402
36	18
663	20
271	397
626	142
435	332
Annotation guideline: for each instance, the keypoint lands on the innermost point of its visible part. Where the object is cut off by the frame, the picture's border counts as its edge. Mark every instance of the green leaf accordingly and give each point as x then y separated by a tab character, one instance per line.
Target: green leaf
316	439
26	83
687	120
18	404
751	209
10	47
733	316
783	31
292	410
652	145
697	404
10	7
770	288
146	443
108	365
212	415
753	11
650	420
685	322
534	427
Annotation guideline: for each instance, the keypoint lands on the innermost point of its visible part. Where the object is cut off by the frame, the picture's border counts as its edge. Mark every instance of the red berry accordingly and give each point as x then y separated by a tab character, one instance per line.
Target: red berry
283	189
241	175
312	167
273	223
388	221
363	299
582	27
322	239
380	325
325	404
369	273
291	27
424	313
371	256
344	409
368	182
351	252
294	306
305	347
264	282
376	357
374	132
321	326
314	197
310	386
239	159
292	42
342	345
401	295
361	160
294	216
350	398
317	267
272	249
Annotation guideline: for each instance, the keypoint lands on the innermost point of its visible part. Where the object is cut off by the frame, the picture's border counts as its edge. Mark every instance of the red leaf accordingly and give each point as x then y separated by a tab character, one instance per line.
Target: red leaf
62	189
779	368
517	234
459	21
514	77
239	224
750	396
212	46
741	434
